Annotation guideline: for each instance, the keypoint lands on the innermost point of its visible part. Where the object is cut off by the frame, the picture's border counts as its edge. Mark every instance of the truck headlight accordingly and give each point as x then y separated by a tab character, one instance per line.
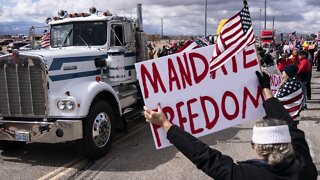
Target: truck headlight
69	105
66	104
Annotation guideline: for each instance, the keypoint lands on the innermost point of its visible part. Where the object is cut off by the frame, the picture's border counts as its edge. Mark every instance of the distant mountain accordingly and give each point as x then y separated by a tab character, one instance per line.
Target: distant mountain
19	27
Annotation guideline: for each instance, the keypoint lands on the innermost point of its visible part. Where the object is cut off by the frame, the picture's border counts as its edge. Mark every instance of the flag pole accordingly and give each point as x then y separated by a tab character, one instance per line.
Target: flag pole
245	2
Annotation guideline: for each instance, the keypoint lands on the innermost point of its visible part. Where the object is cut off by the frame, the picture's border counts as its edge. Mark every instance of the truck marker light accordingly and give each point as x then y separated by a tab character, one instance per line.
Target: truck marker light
98	78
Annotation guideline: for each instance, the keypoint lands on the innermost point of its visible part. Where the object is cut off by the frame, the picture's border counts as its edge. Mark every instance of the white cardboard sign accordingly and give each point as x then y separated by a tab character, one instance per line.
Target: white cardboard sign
196	102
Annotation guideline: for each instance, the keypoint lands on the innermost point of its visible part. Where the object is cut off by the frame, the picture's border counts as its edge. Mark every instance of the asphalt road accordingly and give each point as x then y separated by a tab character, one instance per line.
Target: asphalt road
133	156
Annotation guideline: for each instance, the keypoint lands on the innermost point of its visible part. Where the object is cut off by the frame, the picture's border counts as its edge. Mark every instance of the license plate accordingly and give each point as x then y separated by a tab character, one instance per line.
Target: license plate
23	136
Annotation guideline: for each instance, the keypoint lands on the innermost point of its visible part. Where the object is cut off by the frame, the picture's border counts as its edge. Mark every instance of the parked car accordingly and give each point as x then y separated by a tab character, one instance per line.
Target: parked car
6	42
15	45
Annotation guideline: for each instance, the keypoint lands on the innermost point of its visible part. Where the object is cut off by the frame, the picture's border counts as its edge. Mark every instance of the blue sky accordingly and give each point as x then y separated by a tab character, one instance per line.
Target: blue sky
179	16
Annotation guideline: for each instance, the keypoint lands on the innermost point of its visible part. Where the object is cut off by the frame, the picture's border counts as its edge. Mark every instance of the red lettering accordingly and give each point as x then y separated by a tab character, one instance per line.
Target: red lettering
184	71
271	80
198	77
193	116
182	119
213	122
155	82
234	64
173	76
168	111
255	101
223	108
251	63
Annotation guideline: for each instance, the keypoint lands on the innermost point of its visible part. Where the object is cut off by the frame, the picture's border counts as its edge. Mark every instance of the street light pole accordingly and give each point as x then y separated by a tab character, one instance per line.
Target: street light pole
265	14
205	20
260	23
161	27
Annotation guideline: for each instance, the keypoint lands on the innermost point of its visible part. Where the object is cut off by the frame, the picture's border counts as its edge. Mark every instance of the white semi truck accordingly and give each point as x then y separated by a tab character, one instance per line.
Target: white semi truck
78	89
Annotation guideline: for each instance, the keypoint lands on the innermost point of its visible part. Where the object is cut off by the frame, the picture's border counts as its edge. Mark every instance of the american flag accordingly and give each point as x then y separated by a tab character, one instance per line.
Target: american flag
291	96
45	40
236	34
189	45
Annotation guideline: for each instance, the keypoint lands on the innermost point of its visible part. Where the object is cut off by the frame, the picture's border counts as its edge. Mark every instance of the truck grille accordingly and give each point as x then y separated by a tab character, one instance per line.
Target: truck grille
22	90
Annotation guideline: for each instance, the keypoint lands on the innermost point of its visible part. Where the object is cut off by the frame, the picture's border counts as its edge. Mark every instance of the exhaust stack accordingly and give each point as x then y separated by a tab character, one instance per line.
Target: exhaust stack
139	17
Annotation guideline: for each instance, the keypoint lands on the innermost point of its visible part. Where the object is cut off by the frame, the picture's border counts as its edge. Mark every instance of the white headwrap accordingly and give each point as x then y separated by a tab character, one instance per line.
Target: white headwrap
271	135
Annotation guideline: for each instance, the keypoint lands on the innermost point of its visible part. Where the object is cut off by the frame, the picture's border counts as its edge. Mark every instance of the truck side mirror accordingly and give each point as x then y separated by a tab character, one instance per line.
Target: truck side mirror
128	33
100	63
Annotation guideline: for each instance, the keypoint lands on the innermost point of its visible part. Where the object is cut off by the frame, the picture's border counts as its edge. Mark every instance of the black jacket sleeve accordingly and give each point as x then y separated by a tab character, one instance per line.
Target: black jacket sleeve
274	109
209	160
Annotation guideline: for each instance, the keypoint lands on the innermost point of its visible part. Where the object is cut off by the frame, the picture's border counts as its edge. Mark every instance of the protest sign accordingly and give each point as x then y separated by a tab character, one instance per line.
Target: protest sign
196	102
275	82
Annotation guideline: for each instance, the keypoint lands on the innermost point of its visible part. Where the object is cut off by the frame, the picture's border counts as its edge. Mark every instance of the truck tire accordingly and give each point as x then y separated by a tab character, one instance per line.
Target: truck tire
98	130
11	145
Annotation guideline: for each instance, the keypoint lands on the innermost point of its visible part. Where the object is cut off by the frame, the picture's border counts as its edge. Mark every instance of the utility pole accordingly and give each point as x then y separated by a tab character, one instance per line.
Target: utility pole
265	14
205	19
273	24
260	23
161	27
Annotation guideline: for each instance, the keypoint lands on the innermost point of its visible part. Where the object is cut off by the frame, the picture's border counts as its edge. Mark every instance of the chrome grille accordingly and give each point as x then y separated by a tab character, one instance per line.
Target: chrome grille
22	89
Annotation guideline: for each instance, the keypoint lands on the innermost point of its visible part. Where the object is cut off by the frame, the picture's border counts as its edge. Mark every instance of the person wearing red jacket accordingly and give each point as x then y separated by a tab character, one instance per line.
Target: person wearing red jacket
284	61
304	74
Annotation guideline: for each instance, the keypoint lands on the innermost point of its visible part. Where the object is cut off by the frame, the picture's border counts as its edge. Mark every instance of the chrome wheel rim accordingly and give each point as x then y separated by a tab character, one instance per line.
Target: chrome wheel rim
101	129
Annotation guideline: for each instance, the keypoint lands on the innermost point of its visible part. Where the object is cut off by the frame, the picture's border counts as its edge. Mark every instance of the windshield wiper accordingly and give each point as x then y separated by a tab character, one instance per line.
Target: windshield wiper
65	39
84	41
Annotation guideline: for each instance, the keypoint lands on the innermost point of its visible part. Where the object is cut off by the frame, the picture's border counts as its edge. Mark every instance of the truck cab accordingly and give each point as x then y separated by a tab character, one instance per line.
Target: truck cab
267	39
79	88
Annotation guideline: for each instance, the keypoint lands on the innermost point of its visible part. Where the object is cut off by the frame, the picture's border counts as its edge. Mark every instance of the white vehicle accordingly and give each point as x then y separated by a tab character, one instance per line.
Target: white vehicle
77	90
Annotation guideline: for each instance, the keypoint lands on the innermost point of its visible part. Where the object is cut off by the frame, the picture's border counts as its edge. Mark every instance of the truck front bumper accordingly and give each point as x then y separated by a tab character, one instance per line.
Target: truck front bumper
44	132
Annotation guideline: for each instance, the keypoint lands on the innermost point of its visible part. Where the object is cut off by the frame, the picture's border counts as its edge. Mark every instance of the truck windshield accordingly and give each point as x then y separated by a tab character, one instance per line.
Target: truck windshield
79	34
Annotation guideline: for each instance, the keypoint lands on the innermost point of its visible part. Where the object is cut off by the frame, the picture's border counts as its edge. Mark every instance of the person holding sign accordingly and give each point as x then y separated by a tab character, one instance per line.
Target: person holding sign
280	146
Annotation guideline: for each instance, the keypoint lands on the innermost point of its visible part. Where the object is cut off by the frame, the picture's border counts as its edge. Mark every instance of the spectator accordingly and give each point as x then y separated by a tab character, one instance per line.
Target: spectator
284	61
295	56
281	148
268	66
152	52
304	74
290	91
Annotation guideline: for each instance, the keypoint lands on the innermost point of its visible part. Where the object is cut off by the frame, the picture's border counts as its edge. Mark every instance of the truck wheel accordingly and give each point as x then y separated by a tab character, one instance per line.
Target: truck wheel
11	145
98	130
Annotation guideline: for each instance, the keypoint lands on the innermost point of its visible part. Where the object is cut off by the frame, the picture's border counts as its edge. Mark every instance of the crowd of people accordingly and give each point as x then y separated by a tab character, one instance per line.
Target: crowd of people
301	59
172	46
167	49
